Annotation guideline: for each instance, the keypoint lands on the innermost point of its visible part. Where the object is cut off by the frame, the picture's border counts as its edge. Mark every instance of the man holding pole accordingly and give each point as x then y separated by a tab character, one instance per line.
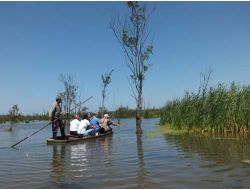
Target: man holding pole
55	119
56	107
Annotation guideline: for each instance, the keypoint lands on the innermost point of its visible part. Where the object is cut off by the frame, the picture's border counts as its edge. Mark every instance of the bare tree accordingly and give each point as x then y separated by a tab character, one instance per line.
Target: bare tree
106	79
133	36
70	92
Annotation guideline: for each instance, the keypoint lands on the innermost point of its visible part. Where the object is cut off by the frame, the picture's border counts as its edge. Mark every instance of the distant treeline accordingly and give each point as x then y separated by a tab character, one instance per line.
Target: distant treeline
122	112
23	118
125	112
219	109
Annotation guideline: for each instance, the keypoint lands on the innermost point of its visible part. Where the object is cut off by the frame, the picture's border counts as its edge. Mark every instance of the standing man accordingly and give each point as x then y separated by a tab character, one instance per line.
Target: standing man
55	114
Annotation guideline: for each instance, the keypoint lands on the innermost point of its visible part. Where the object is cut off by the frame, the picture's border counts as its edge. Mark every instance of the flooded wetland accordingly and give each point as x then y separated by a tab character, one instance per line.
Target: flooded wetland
123	160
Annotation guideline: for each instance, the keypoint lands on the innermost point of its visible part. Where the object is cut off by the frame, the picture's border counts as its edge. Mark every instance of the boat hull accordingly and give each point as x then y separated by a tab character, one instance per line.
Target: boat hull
70	138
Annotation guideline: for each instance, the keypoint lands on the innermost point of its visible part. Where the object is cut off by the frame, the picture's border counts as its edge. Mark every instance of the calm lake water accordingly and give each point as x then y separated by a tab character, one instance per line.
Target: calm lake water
122	160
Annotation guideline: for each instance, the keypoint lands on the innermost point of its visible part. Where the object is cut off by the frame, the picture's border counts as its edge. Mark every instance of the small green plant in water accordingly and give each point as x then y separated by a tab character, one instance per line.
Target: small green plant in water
245	161
165	130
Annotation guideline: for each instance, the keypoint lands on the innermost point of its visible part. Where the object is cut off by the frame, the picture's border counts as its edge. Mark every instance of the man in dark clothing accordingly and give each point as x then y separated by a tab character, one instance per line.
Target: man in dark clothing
55	114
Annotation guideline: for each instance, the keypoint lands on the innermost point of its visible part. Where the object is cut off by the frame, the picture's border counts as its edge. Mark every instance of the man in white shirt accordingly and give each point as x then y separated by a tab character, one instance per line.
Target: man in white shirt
85	127
74	125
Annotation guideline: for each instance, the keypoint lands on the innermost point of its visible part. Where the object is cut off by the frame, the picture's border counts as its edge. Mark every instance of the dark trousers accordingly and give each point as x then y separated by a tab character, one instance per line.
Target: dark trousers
102	130
73	133
58	124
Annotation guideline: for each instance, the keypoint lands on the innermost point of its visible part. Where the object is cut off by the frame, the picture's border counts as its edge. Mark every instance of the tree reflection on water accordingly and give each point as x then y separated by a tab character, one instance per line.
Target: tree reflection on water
142	173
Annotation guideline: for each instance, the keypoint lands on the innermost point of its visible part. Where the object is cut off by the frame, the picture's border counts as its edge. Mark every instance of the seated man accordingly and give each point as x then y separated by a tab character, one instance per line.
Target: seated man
85	127
95	122
106	123
74	124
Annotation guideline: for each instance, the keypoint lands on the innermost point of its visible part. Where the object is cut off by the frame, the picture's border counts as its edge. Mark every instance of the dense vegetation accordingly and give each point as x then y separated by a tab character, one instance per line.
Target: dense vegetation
125	112
220	109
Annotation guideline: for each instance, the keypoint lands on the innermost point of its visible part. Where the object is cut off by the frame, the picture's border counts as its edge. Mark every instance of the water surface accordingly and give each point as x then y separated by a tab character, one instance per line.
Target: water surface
122	160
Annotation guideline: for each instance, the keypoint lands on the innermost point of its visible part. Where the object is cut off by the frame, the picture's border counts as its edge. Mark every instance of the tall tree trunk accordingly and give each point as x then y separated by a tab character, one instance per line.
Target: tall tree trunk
139	110
138	123
102	111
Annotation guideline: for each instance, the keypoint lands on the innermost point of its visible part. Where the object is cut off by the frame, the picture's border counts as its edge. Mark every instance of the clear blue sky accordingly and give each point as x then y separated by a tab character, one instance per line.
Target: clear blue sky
40	40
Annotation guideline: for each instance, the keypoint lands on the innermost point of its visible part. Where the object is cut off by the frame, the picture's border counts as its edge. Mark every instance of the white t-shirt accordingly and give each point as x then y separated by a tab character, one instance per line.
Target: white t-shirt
74	124
83	126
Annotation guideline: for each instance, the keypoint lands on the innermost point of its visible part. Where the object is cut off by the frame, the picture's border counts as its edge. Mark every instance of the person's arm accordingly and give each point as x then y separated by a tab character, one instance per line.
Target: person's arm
51	111
102	122
115	124
90	126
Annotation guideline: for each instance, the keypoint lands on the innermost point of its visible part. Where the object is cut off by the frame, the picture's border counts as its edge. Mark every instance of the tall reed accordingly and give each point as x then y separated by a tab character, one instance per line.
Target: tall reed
218	109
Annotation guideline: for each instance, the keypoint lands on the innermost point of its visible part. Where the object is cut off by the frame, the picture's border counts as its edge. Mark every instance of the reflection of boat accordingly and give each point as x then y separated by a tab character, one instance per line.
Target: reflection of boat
70	138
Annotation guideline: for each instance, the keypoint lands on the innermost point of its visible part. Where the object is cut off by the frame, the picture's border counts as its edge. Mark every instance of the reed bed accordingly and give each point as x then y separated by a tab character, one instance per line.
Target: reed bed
219	109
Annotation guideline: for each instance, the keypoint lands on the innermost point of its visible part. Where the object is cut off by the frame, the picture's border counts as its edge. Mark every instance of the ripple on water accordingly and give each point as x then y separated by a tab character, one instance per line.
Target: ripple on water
123	161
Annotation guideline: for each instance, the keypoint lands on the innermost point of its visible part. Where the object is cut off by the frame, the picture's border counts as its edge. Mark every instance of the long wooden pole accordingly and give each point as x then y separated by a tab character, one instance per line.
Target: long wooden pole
48	124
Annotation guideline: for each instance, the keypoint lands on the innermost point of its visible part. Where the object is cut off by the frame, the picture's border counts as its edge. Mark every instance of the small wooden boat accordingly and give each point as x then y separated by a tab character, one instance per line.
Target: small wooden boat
72	138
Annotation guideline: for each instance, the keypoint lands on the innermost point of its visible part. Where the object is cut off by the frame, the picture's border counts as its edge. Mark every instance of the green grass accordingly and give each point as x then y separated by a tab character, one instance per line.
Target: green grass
220	109
165	130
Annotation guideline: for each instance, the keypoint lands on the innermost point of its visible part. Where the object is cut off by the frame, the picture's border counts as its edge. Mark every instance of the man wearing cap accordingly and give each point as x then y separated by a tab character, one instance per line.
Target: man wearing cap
55	114
106	123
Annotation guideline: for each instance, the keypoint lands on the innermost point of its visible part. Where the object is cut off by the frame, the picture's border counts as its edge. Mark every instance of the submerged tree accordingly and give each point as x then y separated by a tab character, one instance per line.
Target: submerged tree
106	79
133	37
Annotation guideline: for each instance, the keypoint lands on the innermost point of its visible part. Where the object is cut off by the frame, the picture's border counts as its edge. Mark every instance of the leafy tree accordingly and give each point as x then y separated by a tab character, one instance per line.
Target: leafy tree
106	79
133	36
